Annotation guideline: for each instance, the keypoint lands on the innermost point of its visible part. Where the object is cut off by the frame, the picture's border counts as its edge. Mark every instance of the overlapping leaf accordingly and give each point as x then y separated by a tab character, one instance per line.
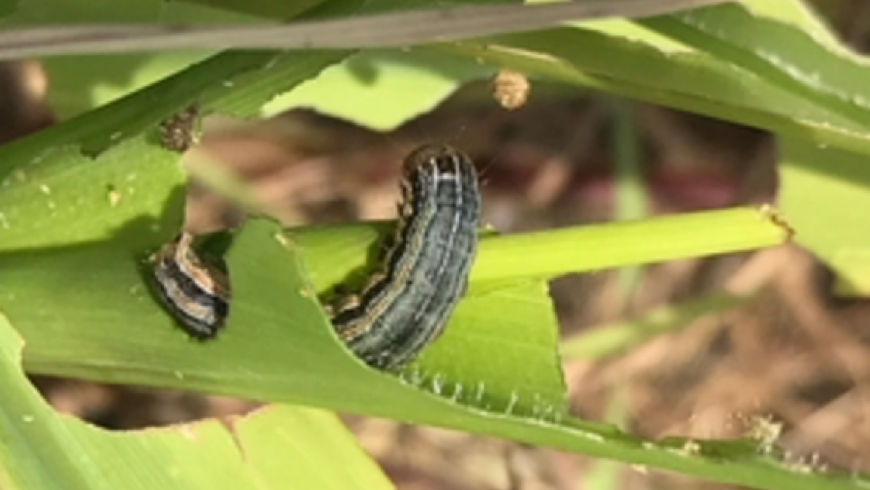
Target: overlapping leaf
41	449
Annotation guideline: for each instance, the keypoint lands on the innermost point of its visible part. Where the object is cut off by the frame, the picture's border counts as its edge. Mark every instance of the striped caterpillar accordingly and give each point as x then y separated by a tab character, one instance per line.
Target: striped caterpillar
195	292
404	305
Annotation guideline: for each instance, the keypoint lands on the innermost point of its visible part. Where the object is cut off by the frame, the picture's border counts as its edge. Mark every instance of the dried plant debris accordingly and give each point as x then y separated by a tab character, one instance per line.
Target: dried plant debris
511	89
179	132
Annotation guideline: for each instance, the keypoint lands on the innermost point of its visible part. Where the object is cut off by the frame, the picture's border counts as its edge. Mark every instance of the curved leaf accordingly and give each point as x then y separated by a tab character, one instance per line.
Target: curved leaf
721	61
825	192
40	449
236	84
61	197
382	89
278	345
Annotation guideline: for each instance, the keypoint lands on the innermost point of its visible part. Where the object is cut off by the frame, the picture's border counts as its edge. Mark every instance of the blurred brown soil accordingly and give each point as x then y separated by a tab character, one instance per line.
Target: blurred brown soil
793	354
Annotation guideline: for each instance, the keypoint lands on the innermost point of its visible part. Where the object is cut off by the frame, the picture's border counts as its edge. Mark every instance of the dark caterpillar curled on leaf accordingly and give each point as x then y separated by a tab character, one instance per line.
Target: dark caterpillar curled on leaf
405	304
197	293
